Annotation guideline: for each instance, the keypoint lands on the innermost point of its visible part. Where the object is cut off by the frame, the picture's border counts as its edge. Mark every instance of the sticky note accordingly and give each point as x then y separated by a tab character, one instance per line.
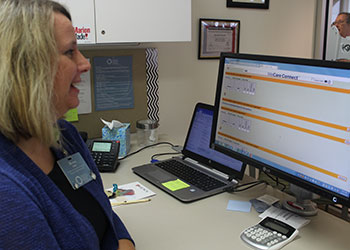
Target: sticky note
175	185
72	115
241	206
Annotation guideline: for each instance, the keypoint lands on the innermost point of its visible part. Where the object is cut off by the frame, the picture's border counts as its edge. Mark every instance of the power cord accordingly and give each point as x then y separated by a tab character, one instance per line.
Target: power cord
148	146
246	186
277	182
161	154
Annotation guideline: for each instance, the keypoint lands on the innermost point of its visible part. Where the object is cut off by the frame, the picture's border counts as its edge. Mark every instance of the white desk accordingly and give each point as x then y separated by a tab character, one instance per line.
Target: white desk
164	223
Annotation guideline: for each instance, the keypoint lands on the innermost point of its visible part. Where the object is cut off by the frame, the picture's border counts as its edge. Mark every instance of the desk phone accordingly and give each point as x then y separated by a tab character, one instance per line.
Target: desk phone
105	154
269	233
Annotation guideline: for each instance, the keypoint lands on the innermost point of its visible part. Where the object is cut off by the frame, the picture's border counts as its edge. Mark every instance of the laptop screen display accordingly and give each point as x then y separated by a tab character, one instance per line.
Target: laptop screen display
198	140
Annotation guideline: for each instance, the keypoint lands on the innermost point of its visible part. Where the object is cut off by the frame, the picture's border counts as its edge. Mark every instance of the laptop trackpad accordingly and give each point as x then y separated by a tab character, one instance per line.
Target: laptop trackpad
160	175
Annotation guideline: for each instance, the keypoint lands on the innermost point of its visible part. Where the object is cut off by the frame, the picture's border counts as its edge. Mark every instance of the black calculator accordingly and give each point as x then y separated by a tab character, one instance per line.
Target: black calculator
105	154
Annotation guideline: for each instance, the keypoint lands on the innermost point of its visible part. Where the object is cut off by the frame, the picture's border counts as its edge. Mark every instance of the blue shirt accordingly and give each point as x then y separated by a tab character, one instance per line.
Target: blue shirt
35	214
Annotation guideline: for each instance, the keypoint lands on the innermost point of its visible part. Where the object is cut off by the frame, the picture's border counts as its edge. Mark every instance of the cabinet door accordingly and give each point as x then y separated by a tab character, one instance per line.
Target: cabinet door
83	18
143	21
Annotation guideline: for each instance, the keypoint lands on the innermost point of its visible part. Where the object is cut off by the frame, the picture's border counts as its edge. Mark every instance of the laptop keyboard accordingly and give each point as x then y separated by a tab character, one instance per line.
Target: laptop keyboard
190	175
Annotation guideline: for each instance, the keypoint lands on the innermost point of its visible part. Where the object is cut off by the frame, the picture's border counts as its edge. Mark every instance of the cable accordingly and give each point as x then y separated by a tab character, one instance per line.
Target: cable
277	182
160	154
148	146
250	185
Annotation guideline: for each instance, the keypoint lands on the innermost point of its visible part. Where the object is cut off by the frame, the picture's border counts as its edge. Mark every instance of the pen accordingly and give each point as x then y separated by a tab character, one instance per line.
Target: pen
129	202
295	205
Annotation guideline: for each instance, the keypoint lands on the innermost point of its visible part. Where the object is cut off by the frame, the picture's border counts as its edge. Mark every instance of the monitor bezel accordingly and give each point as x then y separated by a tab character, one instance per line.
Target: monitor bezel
232	173
328	194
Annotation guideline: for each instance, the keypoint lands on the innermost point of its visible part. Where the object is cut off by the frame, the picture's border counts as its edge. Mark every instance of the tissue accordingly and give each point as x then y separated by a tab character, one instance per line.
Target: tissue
112	124
117	131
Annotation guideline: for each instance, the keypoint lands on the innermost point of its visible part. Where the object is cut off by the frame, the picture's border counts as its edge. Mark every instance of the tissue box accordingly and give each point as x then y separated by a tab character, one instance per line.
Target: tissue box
121	134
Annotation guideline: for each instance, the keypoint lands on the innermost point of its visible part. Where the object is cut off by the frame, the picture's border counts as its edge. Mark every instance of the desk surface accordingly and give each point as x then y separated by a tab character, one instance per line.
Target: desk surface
166	223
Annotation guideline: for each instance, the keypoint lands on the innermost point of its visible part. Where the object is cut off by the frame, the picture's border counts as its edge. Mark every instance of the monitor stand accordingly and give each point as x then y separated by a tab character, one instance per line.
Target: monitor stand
303	205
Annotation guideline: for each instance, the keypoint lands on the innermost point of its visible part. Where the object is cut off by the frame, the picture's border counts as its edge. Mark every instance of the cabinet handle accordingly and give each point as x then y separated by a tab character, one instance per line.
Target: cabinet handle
103	32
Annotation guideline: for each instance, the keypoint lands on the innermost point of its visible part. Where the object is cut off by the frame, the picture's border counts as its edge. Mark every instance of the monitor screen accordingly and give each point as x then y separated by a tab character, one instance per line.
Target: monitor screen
289	117
197	144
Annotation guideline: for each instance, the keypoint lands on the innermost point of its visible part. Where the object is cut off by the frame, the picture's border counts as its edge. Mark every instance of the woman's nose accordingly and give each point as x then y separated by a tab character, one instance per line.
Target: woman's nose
83	64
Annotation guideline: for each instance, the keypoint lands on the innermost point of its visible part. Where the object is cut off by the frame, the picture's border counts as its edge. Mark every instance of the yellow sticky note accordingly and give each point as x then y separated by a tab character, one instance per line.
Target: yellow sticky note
72	115
175	185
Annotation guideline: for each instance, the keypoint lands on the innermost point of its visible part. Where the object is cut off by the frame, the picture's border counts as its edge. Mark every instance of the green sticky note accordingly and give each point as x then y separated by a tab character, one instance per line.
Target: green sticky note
175	185
72	115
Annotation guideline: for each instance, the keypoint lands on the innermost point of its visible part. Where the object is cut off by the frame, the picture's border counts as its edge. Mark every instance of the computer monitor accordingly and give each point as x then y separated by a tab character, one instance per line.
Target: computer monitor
289	117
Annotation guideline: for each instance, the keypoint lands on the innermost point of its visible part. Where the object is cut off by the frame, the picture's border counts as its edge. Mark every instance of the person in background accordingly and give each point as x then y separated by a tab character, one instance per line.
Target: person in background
41	208
342	22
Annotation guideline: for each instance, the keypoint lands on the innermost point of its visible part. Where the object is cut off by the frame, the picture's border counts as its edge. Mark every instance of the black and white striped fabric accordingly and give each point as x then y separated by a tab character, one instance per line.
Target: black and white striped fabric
152	79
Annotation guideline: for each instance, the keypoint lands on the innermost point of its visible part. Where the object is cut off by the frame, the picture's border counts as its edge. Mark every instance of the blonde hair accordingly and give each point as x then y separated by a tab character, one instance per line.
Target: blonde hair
28	65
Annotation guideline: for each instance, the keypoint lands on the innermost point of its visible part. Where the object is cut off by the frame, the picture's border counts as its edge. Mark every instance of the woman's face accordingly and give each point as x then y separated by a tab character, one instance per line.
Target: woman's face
71	65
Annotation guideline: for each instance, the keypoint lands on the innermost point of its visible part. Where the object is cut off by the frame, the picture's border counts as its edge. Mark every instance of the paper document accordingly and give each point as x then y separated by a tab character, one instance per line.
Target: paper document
140	192
285	216
85	93
268	199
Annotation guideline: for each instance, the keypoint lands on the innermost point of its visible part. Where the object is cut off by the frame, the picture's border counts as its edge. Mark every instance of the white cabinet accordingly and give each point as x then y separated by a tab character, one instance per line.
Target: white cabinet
124	21
83	18
143	21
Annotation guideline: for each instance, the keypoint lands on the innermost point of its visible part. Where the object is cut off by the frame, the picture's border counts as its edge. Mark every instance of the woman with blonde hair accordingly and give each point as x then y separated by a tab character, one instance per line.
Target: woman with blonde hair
51	193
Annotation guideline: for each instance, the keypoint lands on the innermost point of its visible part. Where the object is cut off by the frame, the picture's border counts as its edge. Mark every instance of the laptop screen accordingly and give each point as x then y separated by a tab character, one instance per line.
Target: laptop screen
197	144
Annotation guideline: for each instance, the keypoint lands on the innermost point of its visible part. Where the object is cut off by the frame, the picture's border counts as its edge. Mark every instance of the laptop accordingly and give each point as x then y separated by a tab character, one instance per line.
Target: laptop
218	172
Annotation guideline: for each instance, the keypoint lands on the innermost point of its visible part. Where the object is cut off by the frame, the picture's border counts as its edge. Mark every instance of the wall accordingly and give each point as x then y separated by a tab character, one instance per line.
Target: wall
286	29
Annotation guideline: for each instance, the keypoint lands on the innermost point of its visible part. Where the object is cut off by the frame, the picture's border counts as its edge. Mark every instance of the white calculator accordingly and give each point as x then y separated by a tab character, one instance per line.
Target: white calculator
269	233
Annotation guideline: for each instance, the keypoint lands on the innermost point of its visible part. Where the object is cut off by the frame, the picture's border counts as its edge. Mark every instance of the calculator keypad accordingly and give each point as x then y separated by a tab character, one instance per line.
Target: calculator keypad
261	236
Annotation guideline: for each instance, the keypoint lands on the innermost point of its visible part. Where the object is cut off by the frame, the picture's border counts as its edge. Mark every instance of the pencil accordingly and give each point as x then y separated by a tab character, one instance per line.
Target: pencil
129	202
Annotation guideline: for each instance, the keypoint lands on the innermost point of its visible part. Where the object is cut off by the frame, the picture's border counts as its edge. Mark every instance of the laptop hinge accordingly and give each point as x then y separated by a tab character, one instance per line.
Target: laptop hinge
231	178
223	175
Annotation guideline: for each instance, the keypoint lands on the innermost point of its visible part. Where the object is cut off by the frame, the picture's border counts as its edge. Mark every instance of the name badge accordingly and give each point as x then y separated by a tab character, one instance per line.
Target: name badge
76	170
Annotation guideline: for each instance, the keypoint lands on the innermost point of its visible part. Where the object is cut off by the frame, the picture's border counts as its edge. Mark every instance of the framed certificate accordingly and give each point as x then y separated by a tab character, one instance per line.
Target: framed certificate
216	36
256	4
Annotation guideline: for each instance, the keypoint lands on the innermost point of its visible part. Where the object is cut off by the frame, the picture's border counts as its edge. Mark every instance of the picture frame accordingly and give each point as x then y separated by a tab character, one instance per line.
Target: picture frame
255	4
216	36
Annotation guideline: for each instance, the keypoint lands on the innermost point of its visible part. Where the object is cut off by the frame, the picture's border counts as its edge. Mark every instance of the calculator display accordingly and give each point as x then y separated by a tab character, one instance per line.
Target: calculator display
276	227
102	146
